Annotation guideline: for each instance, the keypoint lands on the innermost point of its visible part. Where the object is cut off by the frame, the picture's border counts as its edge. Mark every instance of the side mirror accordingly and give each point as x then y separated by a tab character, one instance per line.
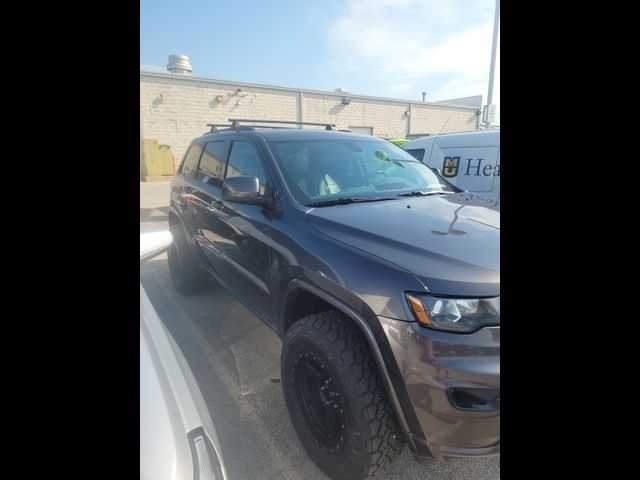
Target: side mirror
153	244
243	189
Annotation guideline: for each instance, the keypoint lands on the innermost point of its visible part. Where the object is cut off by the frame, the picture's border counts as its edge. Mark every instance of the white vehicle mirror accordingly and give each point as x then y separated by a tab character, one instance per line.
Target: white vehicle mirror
153	244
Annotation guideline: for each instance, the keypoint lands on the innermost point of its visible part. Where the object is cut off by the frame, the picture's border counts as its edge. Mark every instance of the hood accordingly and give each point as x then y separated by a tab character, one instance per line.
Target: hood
451	243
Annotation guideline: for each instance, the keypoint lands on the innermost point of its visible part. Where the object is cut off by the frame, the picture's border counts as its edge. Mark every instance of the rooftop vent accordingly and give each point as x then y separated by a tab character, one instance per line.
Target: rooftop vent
341	90
179	65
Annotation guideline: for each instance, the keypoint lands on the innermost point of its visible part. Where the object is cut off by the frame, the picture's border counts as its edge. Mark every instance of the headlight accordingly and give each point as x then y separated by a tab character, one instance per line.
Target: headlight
454	314
206	463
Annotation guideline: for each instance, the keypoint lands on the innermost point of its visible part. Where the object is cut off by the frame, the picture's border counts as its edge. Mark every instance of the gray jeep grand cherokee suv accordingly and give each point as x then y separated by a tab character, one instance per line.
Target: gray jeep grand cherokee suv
382	279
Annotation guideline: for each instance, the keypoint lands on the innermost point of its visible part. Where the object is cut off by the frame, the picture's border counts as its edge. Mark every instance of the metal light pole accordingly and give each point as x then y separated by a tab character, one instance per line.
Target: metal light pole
496	21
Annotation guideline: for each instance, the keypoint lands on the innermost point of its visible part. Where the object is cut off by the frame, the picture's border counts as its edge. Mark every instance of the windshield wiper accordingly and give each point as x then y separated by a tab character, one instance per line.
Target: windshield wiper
418	193
346	200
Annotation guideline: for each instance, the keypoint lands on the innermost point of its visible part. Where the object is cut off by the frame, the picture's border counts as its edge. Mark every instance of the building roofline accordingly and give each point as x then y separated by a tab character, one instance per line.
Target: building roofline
190	78
470	101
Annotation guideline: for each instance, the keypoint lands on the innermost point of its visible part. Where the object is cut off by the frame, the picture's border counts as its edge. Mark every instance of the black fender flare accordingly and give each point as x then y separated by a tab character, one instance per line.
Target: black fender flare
371	340
188	239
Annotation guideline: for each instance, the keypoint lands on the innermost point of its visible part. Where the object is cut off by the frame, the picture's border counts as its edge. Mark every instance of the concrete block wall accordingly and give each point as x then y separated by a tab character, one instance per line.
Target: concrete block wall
387	119
426	119
174	109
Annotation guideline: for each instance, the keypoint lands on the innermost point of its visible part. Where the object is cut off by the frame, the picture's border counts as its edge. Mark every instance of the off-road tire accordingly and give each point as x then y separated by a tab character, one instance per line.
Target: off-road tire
371	435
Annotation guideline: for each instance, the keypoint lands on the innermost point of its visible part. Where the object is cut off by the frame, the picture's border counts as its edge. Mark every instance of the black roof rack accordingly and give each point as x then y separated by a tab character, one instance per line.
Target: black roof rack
251	127
214	126
235	123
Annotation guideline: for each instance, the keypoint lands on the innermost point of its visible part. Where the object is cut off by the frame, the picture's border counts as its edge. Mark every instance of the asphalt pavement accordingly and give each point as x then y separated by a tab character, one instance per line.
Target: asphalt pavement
154	205
236	360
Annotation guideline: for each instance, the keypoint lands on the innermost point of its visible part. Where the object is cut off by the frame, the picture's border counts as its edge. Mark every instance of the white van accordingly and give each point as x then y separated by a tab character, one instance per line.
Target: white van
469	160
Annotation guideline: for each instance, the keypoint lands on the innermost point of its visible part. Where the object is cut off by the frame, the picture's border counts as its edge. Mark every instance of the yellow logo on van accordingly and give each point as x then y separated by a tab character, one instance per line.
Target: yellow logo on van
450	166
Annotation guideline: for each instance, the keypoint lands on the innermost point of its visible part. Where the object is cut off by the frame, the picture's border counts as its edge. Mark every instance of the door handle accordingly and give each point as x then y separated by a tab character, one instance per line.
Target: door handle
184	198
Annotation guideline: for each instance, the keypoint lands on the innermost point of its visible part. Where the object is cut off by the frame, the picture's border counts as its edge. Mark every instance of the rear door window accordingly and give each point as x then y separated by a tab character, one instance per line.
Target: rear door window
190	164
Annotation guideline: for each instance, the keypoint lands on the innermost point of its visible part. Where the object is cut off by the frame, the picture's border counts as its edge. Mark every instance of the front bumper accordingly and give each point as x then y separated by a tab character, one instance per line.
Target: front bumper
431	363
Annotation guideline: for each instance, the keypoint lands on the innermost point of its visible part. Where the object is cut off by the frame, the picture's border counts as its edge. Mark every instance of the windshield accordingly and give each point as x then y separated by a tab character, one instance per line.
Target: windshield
321	170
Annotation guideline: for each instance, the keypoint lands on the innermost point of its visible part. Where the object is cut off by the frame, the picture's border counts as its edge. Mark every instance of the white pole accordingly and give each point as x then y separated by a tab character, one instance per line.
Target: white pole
496	21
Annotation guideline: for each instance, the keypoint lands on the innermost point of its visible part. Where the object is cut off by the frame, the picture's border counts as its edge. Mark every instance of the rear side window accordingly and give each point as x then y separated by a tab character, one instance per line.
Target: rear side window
244	160
190	164
417	153
211	168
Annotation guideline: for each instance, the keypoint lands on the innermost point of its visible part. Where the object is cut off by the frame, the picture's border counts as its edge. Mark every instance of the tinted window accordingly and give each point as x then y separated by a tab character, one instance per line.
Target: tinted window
211	168
417	152
244	160
190	164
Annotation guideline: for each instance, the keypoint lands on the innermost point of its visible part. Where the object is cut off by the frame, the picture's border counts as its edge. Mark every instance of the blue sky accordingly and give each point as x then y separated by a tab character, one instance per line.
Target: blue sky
389	48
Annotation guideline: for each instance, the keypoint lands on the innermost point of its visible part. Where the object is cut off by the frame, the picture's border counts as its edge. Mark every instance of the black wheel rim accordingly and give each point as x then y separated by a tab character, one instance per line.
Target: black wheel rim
320	402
